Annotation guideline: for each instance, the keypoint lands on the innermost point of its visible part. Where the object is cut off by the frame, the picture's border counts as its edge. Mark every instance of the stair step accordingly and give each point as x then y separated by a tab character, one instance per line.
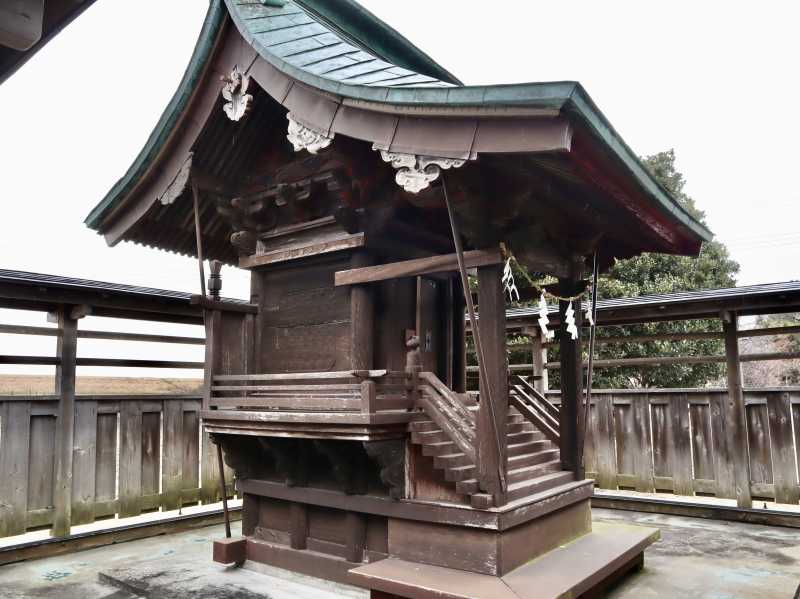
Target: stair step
429	437
530	472
525	437
440	448
529	459
451	460
421	426
459	473
538	484
520	427
516	449
467	487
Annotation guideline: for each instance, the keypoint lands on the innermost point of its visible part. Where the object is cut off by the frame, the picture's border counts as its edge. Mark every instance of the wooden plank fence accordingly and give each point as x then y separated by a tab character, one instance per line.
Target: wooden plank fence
130	455
674	441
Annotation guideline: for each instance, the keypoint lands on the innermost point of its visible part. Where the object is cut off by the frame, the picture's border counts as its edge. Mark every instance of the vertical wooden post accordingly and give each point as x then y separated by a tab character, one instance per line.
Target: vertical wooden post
298	525
539	361
736	421
356	527
492	327
362	314
209	484
459	339
65	388
571	380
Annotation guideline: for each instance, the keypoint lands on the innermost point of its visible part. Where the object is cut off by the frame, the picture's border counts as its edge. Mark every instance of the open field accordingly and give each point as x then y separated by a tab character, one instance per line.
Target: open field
23	384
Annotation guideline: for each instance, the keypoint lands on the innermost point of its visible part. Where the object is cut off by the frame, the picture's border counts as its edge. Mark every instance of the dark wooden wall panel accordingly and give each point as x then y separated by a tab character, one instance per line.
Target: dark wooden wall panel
759	443
151	452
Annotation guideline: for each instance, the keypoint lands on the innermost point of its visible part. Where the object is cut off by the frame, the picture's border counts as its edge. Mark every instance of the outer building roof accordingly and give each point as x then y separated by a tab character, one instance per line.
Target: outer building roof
340	49
41	26
767	298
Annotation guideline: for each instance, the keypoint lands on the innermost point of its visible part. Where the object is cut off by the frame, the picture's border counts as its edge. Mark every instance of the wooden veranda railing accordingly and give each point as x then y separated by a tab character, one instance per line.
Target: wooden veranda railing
678	441
534	406
68	459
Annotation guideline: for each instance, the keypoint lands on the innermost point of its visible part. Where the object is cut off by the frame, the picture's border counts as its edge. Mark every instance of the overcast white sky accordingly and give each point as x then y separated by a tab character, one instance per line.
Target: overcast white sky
716	81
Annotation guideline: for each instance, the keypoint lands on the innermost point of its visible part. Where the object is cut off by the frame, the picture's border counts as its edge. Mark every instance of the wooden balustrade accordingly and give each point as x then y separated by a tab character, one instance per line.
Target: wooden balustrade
674	441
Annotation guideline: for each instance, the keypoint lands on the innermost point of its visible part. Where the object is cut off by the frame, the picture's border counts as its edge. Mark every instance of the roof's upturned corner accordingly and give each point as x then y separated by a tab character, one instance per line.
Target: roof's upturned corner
203	51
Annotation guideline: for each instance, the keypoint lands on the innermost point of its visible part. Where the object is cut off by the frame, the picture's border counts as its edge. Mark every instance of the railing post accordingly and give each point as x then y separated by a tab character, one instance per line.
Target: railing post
362	315
571	379
491	449
65	388
209	483
539	359
736	416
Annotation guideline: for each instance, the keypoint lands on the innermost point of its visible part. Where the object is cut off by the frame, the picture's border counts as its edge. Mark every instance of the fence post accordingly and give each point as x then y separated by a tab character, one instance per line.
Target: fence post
736	421
66	351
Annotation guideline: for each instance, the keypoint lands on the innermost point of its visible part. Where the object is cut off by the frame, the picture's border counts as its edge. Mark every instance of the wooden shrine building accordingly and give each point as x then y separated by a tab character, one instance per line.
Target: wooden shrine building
357	180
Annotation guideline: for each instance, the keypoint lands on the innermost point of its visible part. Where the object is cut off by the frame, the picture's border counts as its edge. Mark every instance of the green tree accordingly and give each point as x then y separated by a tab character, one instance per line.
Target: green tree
662	273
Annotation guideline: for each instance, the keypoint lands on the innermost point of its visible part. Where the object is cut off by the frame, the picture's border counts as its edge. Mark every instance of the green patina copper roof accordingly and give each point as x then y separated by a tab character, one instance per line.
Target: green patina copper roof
339	47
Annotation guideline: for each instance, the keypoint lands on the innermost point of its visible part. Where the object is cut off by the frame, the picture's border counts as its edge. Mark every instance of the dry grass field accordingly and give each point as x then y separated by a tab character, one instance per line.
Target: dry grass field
19	384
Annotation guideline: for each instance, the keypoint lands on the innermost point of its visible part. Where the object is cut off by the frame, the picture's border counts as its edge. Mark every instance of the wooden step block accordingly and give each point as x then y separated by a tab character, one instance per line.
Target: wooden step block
515	449
451	460
482	501
429	437
529	472
459	473
468	487
538	484
529	459
422	426
440	448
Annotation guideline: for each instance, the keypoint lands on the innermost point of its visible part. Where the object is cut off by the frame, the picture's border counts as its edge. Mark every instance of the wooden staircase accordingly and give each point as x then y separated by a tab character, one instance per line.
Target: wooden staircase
533	458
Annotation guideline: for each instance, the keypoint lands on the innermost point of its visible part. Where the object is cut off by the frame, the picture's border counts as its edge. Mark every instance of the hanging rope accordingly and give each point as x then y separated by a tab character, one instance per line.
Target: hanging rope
476	337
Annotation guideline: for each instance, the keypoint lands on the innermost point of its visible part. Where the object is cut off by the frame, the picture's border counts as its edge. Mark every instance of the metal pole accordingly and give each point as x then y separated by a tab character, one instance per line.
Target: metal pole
224	491
476	337
590	366
199	238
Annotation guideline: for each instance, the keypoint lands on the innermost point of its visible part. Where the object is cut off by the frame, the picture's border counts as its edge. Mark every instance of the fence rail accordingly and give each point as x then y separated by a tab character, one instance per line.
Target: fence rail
676	441
130	454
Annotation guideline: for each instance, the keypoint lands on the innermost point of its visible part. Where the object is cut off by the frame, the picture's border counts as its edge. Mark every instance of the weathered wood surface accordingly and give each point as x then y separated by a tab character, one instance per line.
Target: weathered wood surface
675	441
128	455
416	267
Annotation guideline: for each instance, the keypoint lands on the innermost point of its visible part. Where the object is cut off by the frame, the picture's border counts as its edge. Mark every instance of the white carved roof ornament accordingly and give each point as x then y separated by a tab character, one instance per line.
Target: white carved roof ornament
306	138
235	92
415	172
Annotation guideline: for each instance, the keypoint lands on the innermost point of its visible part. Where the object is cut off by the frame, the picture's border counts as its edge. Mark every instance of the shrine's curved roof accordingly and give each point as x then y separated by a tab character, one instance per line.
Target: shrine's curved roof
341	49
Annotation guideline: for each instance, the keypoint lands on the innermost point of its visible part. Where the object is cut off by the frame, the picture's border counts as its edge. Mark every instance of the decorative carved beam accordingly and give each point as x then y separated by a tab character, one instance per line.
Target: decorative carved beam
306	138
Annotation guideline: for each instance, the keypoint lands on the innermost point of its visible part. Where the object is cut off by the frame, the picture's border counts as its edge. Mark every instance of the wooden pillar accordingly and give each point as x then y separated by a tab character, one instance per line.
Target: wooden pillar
492	326
736	417
209	475
459	339
539	359
571	380
362	316
65	425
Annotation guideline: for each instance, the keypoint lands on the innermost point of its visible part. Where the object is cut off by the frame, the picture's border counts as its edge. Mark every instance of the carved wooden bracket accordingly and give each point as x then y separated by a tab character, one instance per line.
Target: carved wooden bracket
415	172
305	138
235	92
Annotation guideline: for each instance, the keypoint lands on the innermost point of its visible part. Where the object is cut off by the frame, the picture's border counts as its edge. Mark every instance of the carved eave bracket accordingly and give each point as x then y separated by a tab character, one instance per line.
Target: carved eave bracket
235	92
415	172
306	138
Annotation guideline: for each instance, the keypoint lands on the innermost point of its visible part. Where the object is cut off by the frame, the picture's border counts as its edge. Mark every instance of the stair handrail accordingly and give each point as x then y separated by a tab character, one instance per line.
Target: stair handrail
533	411
537	395
444	407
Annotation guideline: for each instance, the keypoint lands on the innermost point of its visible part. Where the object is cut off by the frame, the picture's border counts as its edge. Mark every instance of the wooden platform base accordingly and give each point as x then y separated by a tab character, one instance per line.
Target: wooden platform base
580	568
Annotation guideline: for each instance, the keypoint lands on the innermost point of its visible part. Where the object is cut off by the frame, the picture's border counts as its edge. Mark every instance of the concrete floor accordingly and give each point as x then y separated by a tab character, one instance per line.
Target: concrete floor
695	558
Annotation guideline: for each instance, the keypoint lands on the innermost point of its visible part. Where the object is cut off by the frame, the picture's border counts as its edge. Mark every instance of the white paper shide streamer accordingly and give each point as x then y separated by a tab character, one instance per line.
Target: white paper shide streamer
508	282
589	316
569	318
543	319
